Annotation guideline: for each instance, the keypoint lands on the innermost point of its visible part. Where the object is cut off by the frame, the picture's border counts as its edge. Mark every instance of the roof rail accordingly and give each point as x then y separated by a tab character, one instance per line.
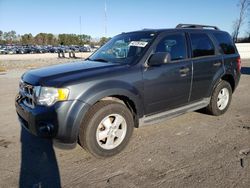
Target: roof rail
195	26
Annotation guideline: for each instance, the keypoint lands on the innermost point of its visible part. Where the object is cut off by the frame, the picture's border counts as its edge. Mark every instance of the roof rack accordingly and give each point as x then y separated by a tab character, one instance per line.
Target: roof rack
195	26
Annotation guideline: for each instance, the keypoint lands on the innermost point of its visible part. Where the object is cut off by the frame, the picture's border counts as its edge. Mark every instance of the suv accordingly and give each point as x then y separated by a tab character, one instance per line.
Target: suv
136	78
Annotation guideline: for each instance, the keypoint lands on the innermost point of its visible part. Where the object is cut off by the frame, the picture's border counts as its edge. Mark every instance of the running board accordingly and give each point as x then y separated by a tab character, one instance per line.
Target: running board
157	118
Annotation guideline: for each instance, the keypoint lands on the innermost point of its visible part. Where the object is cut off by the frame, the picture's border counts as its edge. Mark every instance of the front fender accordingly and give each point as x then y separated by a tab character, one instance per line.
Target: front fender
112	88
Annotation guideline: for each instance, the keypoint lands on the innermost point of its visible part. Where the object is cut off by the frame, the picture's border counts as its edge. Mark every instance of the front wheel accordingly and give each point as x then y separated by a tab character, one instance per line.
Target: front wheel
220	99
106	129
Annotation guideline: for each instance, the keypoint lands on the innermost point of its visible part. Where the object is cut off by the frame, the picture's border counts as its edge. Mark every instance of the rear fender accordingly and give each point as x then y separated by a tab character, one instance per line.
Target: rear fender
216	79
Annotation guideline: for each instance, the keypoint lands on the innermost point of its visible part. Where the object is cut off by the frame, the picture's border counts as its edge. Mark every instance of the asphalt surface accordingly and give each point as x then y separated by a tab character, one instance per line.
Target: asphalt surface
192	150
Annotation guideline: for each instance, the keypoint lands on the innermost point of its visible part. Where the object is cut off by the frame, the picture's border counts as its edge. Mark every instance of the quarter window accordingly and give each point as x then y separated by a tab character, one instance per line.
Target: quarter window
175	44
225	43
201	45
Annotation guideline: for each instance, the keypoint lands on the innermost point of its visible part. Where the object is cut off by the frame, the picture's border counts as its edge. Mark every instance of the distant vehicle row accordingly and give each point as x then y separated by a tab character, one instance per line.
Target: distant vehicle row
15	49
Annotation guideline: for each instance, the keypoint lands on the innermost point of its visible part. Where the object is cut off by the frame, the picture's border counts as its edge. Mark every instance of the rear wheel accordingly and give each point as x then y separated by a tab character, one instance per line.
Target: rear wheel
220	99
106	129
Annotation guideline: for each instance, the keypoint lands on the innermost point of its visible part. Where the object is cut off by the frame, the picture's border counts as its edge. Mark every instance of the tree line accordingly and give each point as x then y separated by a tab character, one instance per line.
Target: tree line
11	37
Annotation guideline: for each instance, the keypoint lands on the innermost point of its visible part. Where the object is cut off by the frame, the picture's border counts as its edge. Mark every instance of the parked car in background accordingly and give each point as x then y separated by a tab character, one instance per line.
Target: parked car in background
52	49
10	50
83	49
2	50
23	50
38	49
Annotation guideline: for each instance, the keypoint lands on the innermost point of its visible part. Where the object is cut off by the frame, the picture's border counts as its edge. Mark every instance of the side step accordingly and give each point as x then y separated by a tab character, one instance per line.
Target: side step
157	118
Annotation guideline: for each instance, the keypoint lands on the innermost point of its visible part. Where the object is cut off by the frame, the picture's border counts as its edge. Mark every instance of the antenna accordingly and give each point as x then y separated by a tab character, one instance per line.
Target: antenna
105	18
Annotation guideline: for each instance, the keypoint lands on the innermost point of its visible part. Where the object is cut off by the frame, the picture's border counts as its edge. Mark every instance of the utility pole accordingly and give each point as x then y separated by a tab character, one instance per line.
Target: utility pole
80	28
105	18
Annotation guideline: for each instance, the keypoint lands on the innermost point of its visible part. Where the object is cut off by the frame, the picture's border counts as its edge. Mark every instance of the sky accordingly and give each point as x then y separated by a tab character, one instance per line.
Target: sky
63	16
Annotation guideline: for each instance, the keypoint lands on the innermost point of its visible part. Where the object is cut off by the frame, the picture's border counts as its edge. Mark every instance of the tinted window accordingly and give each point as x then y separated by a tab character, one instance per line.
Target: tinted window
174	44
225	43
201	45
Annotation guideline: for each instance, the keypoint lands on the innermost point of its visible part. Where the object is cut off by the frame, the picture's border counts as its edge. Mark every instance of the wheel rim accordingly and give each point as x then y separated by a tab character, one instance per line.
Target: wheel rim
223	99
111	131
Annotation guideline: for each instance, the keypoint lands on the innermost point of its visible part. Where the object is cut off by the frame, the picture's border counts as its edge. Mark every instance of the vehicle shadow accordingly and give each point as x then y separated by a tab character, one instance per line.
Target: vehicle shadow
245	70
38	162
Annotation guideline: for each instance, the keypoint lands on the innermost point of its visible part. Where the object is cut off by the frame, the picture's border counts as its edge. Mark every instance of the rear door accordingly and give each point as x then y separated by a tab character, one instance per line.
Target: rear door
168	85
207	64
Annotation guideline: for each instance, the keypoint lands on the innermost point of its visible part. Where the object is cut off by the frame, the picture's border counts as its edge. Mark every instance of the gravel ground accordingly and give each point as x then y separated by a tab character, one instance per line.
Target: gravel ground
192	150
28	61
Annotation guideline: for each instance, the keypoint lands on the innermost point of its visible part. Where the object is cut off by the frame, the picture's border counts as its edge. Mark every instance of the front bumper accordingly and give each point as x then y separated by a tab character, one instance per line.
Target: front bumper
60	121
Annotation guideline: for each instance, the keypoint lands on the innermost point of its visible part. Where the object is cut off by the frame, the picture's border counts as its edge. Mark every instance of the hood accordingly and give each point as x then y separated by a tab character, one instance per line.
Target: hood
56	75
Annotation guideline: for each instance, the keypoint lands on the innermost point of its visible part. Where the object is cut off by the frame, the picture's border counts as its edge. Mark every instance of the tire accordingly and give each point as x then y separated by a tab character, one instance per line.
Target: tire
220	99
100	135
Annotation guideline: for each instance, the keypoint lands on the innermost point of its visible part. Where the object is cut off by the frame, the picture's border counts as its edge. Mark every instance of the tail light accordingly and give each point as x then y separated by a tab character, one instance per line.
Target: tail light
238	64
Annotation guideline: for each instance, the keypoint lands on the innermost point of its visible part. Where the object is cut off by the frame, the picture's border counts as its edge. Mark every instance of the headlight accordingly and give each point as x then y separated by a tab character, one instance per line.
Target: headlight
49	95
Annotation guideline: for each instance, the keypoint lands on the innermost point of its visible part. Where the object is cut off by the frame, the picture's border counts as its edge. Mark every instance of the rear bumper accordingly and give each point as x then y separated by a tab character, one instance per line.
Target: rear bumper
60	121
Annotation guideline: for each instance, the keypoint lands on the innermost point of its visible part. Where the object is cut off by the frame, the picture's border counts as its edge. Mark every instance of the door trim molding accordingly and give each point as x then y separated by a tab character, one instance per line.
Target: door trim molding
157	118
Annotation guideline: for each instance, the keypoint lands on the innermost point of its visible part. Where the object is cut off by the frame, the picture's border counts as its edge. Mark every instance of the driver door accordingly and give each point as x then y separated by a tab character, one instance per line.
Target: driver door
167	86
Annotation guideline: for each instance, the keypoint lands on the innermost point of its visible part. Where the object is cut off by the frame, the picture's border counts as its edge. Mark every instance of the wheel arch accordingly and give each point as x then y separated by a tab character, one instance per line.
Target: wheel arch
226	77
118	91
230	79
128	103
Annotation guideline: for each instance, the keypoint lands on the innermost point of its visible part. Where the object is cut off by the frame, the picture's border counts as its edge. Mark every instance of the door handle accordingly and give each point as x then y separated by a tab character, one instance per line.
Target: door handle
217	64
184	70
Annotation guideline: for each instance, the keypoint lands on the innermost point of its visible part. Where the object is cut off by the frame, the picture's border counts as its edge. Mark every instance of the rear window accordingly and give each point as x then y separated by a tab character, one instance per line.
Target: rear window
225	43
201	45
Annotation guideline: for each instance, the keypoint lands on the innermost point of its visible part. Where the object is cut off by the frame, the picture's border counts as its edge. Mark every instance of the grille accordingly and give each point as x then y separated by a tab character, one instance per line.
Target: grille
28	94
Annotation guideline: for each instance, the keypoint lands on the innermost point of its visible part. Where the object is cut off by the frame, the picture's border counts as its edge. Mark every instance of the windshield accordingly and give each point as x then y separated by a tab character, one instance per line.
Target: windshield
124	48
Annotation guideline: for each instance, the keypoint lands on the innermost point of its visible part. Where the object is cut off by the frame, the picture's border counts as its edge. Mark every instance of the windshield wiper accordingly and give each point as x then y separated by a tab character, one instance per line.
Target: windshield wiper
99	59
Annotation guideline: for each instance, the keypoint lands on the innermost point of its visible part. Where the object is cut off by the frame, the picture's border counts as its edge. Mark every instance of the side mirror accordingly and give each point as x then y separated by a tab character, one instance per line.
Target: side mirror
159	58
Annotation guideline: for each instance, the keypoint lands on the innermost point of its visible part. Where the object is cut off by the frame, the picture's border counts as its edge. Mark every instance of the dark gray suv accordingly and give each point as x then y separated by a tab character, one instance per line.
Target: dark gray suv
136	78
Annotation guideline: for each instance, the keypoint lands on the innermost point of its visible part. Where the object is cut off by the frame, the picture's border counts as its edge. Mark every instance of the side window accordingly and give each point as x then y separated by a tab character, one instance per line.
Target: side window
201	45
175	44
225	42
